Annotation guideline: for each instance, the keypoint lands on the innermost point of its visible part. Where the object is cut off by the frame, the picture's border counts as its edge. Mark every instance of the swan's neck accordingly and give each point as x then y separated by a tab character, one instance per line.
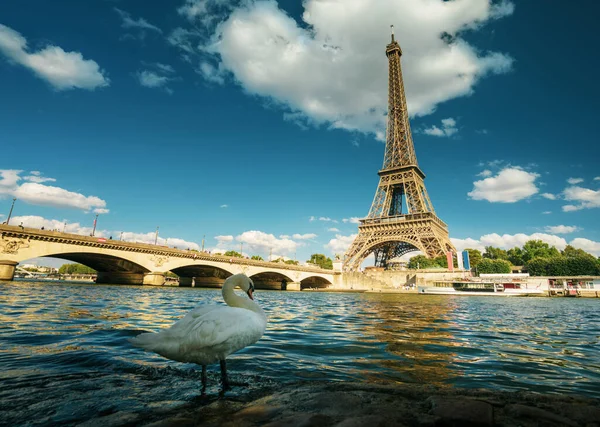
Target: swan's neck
234	300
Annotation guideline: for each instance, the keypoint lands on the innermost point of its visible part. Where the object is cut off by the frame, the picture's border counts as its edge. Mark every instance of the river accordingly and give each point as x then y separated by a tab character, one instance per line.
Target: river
65	356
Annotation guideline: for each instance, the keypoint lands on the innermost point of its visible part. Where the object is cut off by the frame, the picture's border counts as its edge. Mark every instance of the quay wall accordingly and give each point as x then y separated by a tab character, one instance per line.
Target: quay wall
408	280
389	280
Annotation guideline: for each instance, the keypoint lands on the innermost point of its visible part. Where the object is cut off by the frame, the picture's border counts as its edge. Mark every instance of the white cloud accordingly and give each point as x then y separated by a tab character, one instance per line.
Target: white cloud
258	241
574	181
508	241
561	229
45	195
224	239
587	245
340	244
141	24
448	128
585	197
153	79
547	212
468	243
510	185
304	236
352	220
224	206
548	196
332	69
34	221
485	173
211	73
37	178
77	228
150	237
597	178
9	179
333	229
63	70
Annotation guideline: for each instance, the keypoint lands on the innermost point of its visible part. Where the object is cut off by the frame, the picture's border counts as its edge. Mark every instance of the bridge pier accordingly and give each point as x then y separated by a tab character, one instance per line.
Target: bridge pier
120	278
208	282
186	282
293	286
7	269
154	279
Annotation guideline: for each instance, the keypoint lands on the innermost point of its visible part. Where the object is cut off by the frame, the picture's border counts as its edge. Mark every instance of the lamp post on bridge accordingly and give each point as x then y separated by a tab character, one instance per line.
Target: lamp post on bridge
11	209
203	242
65	226
121	237
95	222
242	249
156	236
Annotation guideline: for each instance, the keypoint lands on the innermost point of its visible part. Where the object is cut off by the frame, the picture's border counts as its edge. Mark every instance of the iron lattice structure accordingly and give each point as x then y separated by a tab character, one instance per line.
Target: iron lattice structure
401	218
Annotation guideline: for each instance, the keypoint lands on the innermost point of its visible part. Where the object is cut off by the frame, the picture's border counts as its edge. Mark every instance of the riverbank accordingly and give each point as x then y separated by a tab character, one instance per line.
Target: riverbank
347	404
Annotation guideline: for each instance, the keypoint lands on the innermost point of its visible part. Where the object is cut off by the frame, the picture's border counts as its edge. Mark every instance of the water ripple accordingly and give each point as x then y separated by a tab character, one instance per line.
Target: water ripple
65	355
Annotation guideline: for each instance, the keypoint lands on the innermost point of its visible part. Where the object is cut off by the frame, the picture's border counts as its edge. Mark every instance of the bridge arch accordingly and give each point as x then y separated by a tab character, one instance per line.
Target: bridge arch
314	282
271	280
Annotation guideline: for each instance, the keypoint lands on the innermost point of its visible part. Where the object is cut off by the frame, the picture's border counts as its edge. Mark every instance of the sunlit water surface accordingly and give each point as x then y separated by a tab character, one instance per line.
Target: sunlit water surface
65	356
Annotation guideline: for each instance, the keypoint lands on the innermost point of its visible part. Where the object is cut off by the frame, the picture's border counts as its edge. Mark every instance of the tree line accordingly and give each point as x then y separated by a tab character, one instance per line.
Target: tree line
536	256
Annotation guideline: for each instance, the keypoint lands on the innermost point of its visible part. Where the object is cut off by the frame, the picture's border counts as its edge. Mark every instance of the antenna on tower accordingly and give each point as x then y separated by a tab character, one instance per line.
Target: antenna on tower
392	27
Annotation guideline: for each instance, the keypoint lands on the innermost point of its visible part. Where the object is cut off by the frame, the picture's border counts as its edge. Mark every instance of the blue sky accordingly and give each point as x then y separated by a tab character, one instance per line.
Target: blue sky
261	123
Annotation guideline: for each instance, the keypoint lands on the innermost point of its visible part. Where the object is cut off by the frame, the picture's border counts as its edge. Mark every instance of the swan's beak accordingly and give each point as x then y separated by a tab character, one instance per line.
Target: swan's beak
250	294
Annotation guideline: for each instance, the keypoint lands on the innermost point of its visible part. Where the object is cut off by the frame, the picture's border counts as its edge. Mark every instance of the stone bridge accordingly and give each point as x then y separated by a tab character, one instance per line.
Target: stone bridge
119	262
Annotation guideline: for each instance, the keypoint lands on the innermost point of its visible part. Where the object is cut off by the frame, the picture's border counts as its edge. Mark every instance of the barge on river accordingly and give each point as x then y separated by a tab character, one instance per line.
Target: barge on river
480	288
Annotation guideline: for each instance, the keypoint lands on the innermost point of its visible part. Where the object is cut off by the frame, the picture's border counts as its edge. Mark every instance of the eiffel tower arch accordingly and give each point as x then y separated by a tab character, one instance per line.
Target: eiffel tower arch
401	218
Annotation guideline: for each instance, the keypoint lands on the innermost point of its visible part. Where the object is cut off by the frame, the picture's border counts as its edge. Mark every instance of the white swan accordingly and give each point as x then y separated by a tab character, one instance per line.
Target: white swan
210	333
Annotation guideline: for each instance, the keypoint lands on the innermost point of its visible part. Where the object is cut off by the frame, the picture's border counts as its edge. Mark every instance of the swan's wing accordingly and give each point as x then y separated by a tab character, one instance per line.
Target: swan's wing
206	334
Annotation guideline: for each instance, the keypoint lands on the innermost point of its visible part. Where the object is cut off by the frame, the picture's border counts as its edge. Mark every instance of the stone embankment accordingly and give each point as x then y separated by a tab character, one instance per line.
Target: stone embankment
356	404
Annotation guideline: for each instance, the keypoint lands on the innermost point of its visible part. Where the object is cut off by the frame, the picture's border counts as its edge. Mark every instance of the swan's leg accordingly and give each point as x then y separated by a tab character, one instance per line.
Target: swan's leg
203	380
224	379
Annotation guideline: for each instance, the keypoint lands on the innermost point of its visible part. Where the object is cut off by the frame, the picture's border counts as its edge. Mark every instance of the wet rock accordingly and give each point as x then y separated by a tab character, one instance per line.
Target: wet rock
538	414
115	419
302	420
340	404
586	415
462	412
371	421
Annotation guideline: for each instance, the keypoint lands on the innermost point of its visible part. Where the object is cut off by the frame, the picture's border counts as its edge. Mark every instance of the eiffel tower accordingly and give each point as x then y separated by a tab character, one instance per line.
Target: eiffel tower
401	218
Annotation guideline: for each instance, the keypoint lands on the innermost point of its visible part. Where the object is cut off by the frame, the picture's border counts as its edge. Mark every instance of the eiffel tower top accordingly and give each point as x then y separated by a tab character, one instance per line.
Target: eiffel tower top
399	147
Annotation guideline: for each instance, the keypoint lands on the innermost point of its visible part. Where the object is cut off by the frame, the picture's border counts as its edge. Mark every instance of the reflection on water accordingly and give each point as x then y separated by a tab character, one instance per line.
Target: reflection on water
64	354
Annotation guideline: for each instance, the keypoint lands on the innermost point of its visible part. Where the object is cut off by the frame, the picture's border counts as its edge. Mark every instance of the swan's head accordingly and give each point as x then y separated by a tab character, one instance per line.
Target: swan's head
244	283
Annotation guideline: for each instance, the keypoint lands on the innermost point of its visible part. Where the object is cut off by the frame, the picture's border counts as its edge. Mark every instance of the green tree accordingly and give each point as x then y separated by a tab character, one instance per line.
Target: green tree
558	266
570	251
491	266
583	265
515	256
538	248
322	261
440	261
75	269
422	262
475	257
538	266
291	261
494	253
257	258
233	254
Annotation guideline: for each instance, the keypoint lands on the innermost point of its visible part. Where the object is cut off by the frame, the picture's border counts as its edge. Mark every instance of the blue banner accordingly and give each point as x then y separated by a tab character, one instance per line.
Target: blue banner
466	260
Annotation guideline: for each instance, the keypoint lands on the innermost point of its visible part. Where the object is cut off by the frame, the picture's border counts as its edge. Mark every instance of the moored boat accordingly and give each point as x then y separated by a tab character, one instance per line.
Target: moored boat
479	288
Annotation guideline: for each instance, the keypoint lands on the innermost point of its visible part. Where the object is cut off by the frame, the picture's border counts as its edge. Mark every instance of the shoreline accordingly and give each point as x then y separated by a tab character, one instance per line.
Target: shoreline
354	404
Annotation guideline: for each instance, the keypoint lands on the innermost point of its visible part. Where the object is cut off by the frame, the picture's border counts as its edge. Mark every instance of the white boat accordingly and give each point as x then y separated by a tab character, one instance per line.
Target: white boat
468	287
